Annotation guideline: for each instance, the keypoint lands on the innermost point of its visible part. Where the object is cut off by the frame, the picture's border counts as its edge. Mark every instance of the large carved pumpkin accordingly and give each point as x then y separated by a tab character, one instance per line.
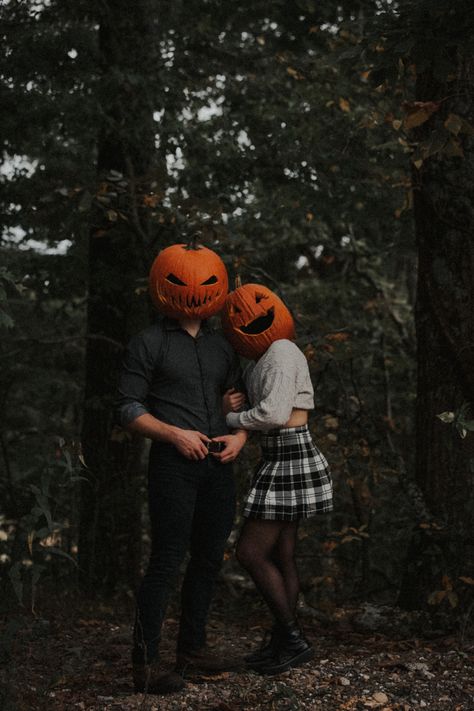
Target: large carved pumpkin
188	280
253	318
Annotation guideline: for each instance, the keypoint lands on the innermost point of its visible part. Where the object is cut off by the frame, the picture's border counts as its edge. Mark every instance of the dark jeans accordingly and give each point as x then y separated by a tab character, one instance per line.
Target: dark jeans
192	506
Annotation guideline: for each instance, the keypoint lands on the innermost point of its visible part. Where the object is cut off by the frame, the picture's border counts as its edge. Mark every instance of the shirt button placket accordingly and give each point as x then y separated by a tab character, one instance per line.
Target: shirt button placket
203	386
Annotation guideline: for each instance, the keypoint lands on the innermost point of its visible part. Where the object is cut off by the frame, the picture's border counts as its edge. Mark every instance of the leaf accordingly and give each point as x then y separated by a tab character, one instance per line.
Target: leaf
452	598
330	422
30	539
453	124
152	200
467	127
435	143
418	112
339	337
344	105
6	320
437	597
446	416
446	582
467	580
453	148
42	502
294	73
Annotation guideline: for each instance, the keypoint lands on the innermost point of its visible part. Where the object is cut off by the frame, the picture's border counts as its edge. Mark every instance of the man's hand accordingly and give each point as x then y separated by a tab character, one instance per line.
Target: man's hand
233	445
190	443
233	400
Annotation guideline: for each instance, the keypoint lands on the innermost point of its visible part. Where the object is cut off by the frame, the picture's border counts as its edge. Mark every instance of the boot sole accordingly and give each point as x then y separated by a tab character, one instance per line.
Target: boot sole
296	661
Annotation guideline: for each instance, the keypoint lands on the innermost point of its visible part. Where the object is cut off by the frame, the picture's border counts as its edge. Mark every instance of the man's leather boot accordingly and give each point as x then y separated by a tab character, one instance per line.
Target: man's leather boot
292	650
150	679
204	662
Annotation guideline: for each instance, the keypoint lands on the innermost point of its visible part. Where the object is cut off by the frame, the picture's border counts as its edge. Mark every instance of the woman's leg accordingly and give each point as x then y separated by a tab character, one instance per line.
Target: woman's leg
284	557
256	549
266	550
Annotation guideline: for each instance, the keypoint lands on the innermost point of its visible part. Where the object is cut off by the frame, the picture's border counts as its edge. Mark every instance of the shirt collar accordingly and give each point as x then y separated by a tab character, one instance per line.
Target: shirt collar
172	324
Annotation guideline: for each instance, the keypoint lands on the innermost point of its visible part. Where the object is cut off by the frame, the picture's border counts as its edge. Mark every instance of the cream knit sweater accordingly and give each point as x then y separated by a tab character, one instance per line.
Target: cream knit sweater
278	382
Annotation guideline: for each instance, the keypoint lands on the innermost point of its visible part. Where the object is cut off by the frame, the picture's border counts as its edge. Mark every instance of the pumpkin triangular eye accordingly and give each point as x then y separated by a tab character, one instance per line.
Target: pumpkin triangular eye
175	280
212	280
259	297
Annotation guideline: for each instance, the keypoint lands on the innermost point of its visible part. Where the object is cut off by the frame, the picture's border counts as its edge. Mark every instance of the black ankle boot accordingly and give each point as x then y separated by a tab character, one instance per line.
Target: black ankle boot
292	650
267	650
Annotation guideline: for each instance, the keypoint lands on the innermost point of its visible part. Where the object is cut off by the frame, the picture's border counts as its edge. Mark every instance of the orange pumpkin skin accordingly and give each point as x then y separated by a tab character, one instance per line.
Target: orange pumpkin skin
188	281
253	318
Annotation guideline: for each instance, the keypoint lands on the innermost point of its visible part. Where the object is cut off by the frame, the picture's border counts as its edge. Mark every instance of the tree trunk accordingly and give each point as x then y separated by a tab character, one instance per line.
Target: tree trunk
442	550
111	500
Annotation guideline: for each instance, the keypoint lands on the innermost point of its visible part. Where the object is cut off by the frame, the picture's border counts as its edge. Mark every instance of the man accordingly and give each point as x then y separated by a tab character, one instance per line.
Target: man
173	379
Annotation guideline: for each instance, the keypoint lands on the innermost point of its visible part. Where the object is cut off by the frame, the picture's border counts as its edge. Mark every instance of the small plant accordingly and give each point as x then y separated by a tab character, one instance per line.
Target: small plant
459	419
32	544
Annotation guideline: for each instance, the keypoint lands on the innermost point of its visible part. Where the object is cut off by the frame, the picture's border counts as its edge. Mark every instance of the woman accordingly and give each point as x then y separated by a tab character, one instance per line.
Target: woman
292	481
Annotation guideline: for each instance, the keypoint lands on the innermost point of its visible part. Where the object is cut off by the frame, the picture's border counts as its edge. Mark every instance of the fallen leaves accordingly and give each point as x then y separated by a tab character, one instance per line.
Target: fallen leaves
418	112
85	665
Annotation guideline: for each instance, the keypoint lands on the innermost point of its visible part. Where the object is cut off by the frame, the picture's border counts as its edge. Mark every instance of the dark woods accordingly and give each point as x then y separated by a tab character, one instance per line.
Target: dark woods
322	149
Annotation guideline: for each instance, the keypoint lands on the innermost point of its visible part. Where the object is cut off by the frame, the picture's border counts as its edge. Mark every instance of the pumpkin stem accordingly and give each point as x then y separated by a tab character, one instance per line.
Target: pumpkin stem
193	244
238	281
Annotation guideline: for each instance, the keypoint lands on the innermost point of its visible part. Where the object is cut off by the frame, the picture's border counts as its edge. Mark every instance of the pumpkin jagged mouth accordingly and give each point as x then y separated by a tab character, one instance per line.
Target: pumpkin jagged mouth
260	324
191	301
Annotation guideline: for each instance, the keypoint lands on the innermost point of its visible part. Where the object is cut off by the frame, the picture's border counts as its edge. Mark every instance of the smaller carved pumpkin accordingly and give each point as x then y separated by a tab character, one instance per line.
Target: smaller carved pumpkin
188	280
253	318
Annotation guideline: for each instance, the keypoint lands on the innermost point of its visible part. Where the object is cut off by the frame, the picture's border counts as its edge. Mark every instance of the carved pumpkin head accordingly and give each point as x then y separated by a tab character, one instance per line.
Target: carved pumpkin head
253	318
188	280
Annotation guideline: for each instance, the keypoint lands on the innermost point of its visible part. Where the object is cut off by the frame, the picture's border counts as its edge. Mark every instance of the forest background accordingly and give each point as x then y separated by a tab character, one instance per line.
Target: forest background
324	149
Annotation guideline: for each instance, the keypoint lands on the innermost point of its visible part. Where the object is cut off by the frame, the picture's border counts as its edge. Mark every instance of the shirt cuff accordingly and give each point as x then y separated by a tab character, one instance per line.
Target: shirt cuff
130	412
233	420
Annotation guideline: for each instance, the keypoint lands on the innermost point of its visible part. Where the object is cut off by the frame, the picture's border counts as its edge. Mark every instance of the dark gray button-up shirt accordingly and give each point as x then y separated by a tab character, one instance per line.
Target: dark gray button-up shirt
178	379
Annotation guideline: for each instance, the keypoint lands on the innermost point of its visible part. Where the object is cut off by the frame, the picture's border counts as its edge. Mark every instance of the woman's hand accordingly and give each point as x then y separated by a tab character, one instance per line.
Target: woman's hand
233	444
233	400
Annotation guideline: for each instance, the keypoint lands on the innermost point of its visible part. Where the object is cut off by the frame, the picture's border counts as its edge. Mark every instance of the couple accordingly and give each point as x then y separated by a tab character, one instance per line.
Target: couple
181	387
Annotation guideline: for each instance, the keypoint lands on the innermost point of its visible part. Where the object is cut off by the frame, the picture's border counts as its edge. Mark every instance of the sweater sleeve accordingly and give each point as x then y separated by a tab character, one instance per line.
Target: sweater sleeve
275	406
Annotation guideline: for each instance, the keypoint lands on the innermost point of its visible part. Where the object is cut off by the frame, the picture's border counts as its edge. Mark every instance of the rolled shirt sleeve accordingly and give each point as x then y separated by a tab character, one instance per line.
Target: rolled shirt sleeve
134	381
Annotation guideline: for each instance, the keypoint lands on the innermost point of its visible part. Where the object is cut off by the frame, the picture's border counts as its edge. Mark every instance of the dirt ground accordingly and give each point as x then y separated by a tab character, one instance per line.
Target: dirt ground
76	656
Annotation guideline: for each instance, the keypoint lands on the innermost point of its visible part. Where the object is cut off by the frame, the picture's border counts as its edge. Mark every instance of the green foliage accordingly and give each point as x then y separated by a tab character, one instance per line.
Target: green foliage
459	419
30	545
285	131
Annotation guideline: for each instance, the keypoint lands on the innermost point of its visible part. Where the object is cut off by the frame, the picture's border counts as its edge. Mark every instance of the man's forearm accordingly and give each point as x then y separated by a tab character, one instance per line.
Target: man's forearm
190	443
149	426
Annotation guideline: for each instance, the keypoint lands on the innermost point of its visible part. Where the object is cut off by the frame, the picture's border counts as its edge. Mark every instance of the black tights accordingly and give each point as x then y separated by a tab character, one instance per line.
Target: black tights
266	549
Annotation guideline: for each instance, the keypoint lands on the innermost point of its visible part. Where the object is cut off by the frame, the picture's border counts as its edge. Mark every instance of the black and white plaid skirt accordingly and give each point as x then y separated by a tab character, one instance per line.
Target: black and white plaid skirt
292	481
